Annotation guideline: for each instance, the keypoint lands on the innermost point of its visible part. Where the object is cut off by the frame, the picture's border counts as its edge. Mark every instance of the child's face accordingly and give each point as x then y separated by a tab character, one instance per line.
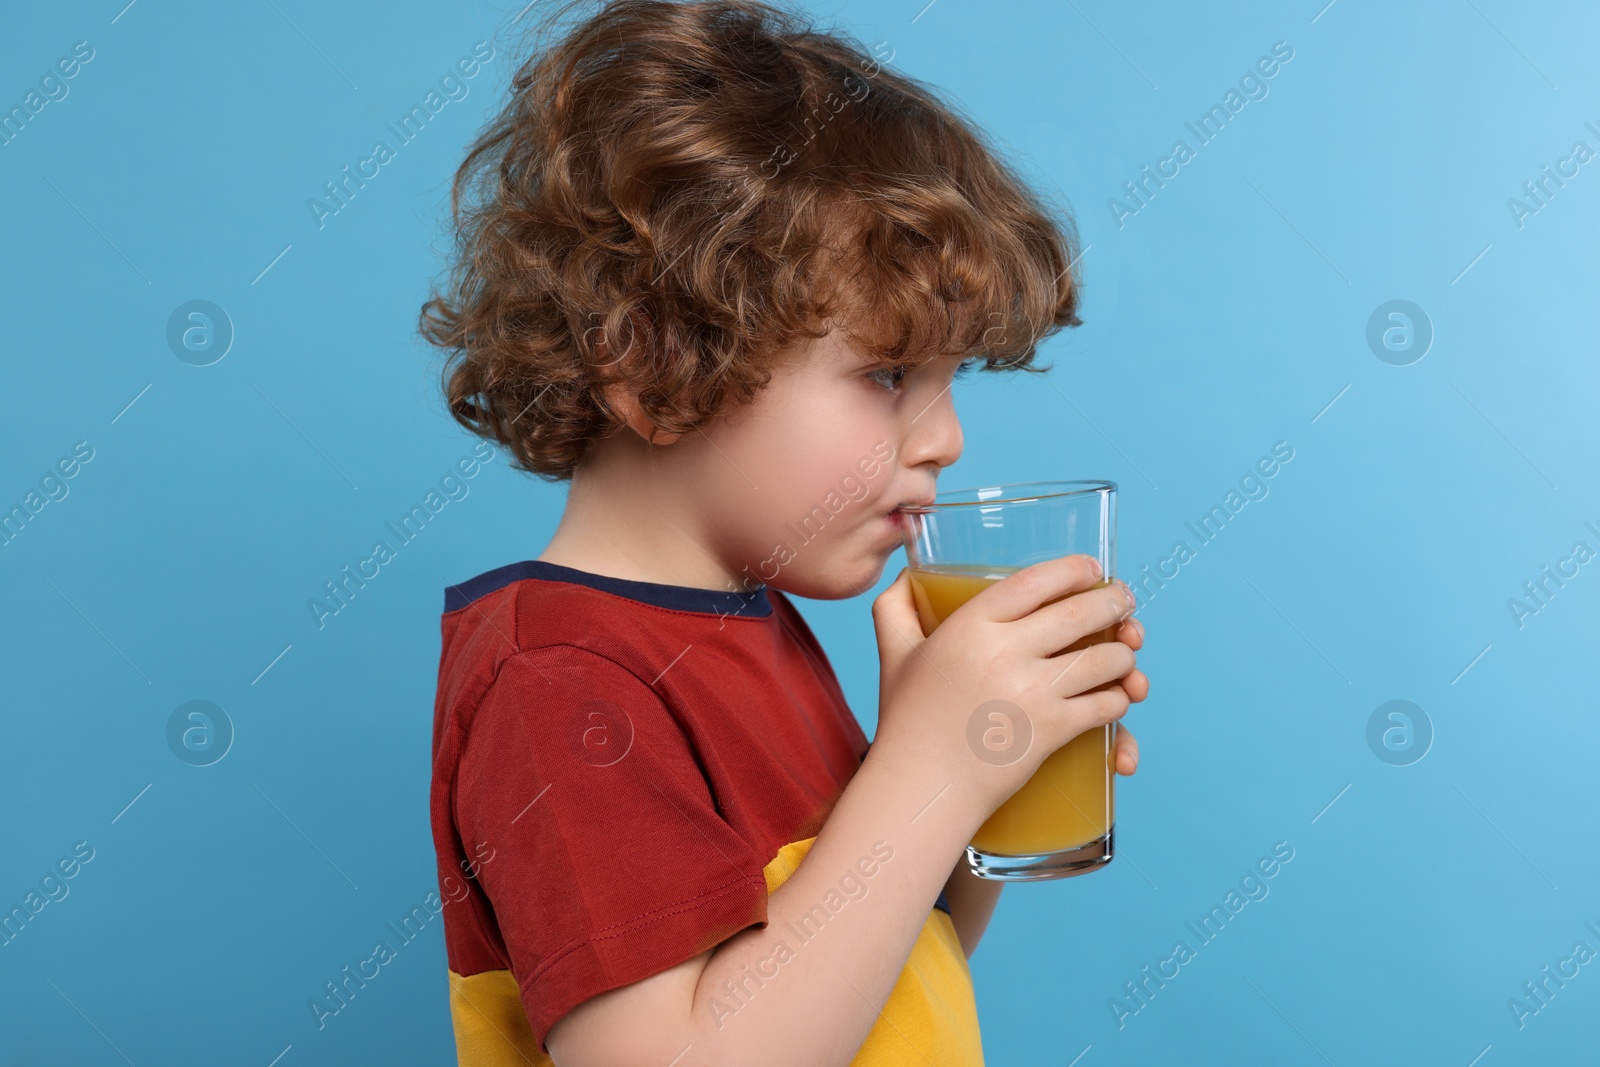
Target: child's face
795	489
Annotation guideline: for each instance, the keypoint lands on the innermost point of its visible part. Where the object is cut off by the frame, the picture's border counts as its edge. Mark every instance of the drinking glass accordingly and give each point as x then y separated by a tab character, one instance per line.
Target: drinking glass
1062	821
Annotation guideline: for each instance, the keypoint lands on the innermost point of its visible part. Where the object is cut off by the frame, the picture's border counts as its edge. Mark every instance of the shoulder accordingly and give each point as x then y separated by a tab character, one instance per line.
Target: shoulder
504	625
566	688
567	665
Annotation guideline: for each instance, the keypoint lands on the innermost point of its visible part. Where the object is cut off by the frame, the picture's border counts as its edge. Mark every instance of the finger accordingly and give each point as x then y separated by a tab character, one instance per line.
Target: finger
1063	623
1022	592
1096	708
1136	684
895	622
1100	665
1125	750
1131	633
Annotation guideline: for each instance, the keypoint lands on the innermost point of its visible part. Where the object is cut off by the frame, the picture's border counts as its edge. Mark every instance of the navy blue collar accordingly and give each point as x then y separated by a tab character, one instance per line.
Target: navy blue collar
677	597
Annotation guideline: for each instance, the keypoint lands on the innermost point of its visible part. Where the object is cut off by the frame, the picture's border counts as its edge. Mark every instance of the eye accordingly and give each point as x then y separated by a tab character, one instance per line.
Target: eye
966	365
894	375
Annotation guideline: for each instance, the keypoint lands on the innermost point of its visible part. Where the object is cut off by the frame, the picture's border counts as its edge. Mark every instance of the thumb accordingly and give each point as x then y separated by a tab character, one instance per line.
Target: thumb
895	619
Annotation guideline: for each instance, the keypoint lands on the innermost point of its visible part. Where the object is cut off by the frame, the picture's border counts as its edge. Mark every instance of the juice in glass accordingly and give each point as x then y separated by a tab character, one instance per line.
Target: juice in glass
1070	800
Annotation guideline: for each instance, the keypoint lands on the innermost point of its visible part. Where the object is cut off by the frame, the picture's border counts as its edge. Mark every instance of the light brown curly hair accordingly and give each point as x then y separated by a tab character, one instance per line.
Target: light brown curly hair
708	183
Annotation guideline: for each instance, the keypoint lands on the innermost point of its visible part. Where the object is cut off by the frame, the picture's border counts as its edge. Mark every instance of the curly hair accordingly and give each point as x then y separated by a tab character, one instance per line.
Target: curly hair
708	183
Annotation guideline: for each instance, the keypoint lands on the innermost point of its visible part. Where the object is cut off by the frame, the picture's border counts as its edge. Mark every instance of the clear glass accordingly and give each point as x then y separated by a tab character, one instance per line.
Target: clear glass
1062	821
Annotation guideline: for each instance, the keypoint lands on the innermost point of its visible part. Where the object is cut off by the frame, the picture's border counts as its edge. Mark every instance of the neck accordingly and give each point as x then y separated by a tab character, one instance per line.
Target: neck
620	521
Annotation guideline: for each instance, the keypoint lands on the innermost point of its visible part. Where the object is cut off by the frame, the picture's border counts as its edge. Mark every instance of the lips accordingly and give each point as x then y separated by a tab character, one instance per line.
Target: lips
918	502
897	516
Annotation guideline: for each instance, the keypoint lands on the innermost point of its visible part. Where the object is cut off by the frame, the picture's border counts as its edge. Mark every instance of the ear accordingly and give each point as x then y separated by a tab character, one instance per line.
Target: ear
624	401
627	404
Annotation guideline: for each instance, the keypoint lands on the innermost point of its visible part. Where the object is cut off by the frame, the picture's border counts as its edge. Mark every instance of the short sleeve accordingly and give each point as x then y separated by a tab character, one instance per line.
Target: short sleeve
611	861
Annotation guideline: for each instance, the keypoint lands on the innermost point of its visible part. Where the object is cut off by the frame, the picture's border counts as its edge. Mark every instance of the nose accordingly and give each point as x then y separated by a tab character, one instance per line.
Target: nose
934	433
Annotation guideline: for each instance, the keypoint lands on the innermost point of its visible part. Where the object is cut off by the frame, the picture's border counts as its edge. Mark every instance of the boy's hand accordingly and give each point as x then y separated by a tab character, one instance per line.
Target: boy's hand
1125	749
990	671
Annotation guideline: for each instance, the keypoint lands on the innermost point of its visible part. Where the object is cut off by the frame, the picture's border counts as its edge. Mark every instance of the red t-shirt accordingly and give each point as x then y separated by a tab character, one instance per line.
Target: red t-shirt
615	766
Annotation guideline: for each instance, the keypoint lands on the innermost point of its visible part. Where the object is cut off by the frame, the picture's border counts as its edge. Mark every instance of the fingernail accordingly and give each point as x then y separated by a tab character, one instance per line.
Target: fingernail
1098	570
1140	627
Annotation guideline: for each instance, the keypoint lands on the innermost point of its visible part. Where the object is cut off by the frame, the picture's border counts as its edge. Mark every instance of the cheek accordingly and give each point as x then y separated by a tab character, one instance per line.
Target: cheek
825	449
799	452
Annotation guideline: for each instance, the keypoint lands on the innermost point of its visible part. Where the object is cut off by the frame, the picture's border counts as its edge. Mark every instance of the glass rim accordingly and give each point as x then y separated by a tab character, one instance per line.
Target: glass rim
1008	494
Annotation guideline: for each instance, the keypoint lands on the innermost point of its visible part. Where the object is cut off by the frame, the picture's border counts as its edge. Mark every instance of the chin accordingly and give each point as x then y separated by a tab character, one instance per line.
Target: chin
835	580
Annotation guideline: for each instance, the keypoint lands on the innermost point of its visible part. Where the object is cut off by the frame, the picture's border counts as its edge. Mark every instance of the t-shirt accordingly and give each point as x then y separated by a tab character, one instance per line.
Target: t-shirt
622	772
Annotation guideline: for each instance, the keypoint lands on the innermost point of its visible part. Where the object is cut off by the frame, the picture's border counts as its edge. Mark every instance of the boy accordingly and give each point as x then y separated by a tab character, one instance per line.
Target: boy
722	275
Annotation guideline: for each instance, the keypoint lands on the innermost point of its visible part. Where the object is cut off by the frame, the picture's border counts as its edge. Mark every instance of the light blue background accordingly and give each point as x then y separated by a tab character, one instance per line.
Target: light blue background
1224	316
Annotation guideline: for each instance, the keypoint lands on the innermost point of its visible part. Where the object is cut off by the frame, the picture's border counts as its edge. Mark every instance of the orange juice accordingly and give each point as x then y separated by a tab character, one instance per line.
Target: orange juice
1069	801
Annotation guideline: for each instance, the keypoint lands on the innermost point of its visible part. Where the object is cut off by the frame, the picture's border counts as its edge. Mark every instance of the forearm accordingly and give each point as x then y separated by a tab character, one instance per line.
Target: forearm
830	987
972	901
